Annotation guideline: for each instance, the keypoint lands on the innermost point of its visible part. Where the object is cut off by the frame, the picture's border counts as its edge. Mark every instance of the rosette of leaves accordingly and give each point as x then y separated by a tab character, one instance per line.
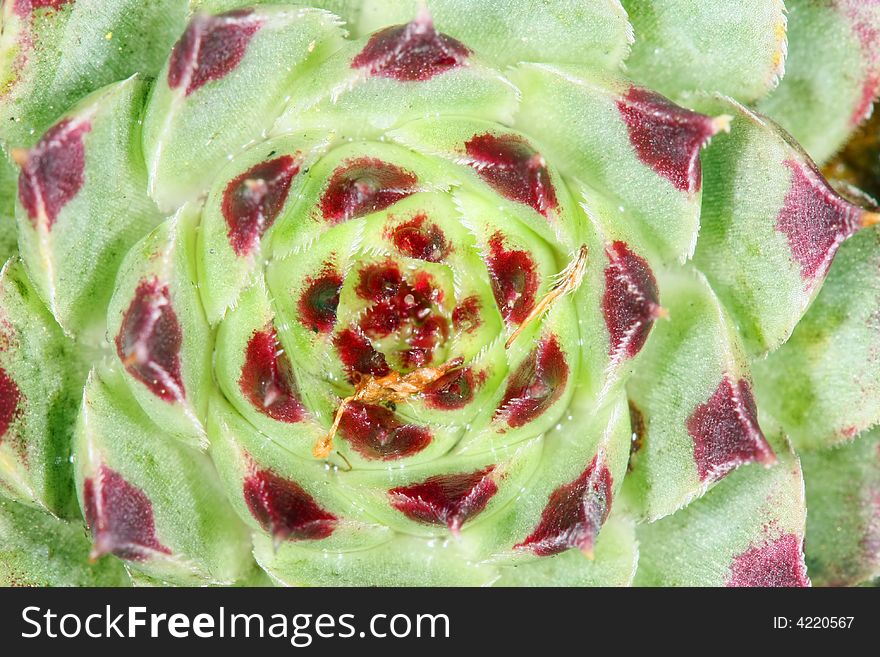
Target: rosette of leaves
441	293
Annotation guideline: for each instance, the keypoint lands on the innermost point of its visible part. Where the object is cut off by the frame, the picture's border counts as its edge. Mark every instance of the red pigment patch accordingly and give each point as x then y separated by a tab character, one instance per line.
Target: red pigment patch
726	432
815	219
149	340
54	172
452	391
319	301
421	239
10	396
666	137
449	500
574	514
284	509
267	379
253	200
514	280
357	354
630	303
362	186
536	384
25	7
410	53
514	169
376	433
408	309
466	316
210	48
778	563
120	517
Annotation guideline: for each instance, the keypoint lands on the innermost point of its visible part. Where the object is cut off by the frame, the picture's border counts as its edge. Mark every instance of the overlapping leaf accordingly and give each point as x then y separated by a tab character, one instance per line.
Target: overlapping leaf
832	73
736	48
82	204
823	385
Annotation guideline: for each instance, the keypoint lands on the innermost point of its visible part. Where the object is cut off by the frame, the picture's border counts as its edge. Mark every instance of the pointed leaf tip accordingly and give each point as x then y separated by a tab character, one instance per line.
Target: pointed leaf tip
666	137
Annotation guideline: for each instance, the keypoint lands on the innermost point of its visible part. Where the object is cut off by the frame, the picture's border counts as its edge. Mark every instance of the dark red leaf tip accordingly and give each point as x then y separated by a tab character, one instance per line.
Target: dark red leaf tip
630	303
120	517
149	341
358	355
54	171
815	219
253	200
420	238
725	431
411	53
466	316
449	500
574	514
320	299
514	279
10	398
514	169
210	48
362	186
267	380
535	385
284	509
452	391
666	137
777	563
377	433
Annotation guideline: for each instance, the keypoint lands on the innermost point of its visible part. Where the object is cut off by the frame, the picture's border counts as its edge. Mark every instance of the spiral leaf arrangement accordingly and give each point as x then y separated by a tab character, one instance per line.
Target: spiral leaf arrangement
432	294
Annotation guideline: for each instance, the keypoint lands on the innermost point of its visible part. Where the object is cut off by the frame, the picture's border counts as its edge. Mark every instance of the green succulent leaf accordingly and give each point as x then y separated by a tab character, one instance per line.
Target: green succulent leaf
736	48
126	468
691	405
254	191
823	385
583	462
53	54
506	32
639	149
613	564
293	501
37	549
82	204
771	226
747	531
435	292
843	523
832	74
158	328
351	94
193	122
40	386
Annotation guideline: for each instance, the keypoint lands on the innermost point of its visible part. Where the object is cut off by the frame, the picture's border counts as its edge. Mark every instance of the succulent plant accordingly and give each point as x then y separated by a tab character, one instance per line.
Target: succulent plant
455	292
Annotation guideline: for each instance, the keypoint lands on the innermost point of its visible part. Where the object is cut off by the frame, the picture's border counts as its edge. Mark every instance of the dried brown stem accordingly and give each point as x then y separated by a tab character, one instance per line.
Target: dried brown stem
569	280
393	387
